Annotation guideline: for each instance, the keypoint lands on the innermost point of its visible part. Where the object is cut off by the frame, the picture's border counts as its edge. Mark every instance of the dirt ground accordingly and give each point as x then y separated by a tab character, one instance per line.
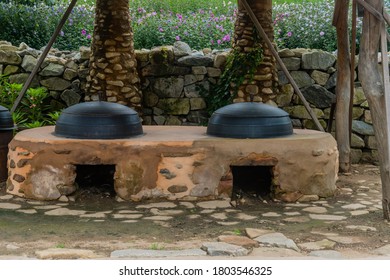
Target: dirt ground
22	234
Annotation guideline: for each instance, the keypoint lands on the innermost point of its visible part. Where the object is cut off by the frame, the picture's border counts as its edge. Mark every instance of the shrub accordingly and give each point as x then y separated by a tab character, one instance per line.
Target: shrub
34	109
200	29
35	24
199	23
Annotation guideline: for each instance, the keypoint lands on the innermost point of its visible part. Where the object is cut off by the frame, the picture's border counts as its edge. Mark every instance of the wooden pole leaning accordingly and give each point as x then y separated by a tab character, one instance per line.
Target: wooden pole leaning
281	64
43	56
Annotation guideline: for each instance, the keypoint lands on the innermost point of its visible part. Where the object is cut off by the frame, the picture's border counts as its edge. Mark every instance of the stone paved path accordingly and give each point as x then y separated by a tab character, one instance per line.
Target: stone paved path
350	225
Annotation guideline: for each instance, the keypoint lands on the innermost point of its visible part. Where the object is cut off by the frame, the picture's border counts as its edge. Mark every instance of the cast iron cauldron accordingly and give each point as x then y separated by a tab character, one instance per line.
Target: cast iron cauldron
98	120
6	122
6	134
249	120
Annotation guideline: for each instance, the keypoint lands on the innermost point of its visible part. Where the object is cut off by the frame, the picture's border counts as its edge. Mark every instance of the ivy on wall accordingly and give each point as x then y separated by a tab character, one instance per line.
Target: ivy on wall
239	66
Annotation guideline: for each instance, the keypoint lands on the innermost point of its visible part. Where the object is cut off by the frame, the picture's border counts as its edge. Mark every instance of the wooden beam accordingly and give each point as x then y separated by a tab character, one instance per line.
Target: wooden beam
281	64
369	8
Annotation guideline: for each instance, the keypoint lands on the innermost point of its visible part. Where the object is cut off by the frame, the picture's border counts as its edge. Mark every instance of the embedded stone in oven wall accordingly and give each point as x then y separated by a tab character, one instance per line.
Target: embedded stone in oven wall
128	178
23	162
177	189
52	182
18	178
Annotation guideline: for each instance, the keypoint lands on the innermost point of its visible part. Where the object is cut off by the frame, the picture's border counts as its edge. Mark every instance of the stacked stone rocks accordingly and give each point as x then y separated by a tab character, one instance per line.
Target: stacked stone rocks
315	74
173	79
62	73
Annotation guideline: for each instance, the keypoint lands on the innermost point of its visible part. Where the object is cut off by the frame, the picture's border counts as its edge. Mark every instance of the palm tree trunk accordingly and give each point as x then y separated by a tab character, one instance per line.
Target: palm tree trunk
113	68
264	84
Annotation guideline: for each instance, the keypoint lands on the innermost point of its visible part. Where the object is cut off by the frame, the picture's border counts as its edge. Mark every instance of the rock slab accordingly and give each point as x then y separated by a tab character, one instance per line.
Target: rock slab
277	239
224	249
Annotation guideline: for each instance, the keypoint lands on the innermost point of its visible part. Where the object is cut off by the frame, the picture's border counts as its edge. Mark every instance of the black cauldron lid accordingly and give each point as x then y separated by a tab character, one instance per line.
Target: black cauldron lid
6	122
249	120
98	120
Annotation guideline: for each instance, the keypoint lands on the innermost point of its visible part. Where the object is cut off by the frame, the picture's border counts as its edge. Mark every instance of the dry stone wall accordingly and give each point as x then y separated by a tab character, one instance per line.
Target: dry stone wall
173	79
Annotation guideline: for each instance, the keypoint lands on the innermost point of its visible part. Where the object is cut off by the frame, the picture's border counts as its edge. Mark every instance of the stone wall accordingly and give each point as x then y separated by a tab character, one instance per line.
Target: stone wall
174	77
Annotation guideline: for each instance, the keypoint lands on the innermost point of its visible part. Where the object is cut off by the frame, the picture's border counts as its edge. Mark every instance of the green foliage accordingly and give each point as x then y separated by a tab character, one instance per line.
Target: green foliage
200	28
239	66
8	92
34	109
30	2
35	24
156	246
200	23
60	246
306	25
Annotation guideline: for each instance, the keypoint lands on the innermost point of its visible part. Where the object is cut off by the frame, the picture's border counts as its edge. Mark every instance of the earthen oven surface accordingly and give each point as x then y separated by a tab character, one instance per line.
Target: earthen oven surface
174	163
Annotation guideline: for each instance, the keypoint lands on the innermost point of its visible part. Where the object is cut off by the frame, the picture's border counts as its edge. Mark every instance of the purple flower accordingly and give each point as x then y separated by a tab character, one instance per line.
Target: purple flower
322	33
89	36
226	38
177	38
160	29
219	42
289	34
83	32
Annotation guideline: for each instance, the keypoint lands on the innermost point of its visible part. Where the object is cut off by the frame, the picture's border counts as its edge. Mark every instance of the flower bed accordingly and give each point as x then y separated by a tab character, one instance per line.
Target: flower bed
306	24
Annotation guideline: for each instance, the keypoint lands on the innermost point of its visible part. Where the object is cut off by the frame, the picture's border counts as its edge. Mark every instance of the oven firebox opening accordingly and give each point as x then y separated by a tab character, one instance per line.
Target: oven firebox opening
252	181
95	180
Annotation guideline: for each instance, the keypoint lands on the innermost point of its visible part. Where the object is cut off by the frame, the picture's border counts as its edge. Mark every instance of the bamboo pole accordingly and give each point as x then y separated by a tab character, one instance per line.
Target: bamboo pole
43	55
279	60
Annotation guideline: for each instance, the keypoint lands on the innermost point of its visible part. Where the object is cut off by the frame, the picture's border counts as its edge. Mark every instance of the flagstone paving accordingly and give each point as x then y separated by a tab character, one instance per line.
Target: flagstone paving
349	225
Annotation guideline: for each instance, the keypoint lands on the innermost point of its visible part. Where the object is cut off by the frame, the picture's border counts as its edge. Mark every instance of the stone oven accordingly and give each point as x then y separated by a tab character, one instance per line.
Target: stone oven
175	163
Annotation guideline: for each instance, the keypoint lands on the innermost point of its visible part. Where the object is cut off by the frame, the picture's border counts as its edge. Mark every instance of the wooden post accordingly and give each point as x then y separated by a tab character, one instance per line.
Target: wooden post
386	88
343	85
374	90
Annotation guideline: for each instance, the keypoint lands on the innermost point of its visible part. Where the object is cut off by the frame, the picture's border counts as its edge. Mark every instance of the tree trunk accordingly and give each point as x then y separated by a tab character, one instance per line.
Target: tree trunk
264	84
372	84
113	67
343	86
